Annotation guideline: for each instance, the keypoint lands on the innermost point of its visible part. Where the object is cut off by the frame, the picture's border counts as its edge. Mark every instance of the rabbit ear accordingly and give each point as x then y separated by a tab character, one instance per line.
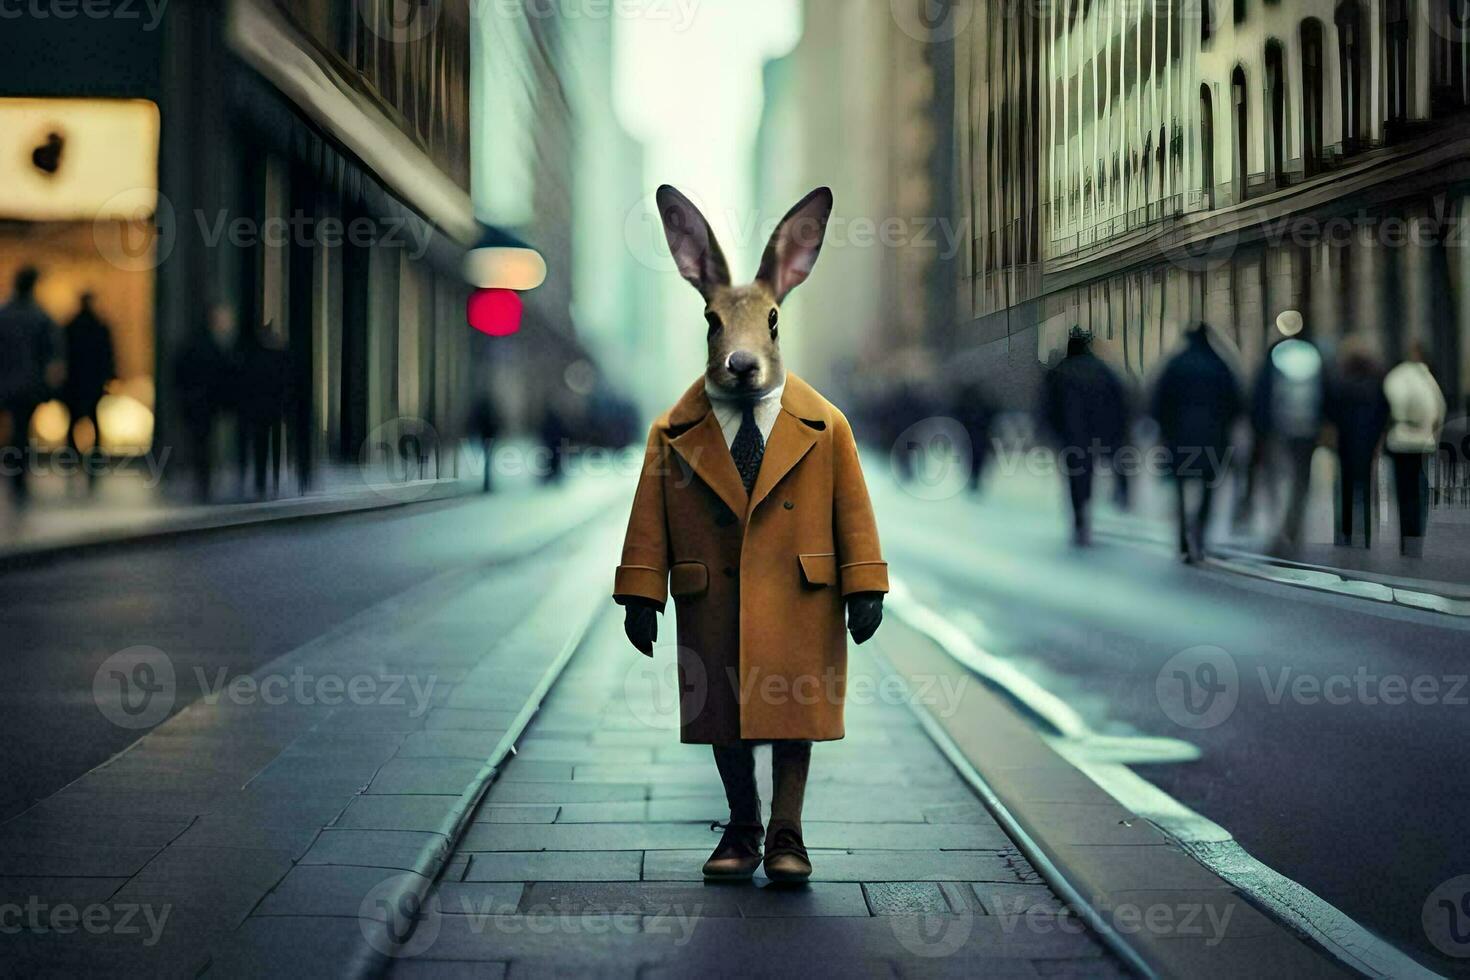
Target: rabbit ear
692	242
796	243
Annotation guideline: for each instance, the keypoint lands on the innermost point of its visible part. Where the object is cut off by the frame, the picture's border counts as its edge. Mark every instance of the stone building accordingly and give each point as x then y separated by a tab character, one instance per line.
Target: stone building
1131	165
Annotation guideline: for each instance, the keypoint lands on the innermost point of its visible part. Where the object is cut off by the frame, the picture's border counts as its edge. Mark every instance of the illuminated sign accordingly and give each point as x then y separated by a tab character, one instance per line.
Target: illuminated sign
78	159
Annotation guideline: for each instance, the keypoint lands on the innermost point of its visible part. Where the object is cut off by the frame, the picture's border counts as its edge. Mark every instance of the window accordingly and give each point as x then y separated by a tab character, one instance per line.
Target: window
1276	105
1396	20
1352	49
1207	144
1450	76
1312	96
1206	20
1240	11
1240	110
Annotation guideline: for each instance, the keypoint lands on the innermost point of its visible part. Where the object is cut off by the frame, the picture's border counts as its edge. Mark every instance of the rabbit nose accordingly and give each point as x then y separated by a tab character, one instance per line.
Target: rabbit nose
742	363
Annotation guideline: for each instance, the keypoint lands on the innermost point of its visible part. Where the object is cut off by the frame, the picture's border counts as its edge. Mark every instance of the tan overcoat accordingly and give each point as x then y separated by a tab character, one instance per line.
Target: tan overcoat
758	582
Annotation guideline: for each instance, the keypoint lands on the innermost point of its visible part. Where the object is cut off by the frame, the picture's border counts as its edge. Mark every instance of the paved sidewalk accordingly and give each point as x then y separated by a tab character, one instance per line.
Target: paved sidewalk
130	501
584	858
62	517
244	834
1440	581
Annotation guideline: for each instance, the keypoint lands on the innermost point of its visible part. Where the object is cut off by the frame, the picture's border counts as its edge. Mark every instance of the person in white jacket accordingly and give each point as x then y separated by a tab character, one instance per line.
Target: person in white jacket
1416	416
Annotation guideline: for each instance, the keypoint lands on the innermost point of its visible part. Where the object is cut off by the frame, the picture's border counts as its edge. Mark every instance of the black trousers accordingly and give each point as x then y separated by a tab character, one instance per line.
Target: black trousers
1357	486
1411	486
1079	482
1193	520
13	453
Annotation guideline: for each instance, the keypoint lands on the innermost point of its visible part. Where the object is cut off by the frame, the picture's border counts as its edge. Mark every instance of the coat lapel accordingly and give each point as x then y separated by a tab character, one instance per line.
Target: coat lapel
703	447
791	439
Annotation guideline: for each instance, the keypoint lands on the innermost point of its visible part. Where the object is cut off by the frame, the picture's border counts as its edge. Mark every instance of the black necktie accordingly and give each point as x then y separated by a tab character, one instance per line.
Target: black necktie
749	448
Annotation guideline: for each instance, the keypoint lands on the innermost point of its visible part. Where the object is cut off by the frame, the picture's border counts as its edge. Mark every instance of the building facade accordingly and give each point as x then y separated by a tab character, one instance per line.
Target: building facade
1131	166
310	171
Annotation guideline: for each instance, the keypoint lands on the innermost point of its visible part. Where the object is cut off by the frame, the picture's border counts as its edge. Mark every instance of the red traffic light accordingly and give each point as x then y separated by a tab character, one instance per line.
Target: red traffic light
496	312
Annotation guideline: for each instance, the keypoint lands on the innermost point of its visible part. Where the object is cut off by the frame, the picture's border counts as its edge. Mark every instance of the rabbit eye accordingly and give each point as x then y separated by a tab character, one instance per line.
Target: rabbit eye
713	319
774	319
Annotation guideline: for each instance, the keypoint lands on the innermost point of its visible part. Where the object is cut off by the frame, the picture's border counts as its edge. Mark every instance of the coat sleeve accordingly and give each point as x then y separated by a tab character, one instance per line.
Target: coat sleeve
860	560
644	570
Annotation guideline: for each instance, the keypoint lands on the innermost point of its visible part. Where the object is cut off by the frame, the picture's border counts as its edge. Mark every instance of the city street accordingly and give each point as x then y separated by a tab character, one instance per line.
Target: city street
1337	785
781	488
221	604
600	793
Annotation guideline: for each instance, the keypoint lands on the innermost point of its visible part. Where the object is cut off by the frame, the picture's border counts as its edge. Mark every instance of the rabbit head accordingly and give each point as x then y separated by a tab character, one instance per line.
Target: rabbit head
744	322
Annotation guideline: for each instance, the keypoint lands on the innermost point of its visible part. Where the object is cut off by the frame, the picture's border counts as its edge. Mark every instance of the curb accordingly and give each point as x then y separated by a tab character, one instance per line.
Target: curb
1387	589
1333	580
456	823
1102	858
206	518
219	942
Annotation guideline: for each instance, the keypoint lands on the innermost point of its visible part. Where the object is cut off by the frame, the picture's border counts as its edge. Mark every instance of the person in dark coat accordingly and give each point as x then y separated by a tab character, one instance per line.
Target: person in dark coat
975	412
27	348
1196	403
1085	409
485	424
264	397
90	365
1358	410
207	375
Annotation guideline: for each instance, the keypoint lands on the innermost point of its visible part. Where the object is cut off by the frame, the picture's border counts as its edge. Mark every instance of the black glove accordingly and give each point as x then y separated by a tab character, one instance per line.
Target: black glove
640	622
864	615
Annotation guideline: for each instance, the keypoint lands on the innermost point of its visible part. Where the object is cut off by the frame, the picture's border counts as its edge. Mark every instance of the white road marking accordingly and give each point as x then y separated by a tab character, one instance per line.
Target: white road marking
1105	760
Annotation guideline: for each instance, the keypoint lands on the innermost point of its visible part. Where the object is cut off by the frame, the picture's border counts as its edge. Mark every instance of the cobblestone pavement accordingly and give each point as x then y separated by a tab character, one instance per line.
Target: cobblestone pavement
585	854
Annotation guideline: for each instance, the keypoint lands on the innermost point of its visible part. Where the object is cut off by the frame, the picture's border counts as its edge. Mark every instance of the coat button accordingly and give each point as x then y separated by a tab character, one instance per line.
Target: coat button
729	572
789	505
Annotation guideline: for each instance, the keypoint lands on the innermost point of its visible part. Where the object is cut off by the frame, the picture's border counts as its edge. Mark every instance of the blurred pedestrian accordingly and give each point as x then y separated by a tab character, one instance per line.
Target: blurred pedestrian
1416	416
207	374
1085	409
1196	402
263	397
27	350
909	406
975	412
1358	411
555	432
485	424
90	366
1287	406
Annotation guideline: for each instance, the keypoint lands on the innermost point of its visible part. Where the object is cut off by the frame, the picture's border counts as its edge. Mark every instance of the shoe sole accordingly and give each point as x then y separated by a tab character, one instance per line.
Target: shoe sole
729	875
788	876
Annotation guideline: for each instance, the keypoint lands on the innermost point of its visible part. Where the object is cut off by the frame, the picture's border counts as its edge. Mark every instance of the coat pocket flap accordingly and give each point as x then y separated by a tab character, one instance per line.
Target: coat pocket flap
819	570
688	579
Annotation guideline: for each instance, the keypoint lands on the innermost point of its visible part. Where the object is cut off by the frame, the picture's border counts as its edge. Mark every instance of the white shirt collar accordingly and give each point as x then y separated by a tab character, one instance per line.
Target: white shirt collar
729	411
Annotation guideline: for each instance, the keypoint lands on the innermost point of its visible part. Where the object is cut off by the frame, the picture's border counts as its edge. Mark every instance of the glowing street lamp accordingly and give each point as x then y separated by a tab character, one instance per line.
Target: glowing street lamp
500	267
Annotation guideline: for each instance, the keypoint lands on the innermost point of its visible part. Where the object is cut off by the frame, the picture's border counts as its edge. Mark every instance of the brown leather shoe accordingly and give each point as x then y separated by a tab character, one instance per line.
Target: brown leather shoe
738	853
786	857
